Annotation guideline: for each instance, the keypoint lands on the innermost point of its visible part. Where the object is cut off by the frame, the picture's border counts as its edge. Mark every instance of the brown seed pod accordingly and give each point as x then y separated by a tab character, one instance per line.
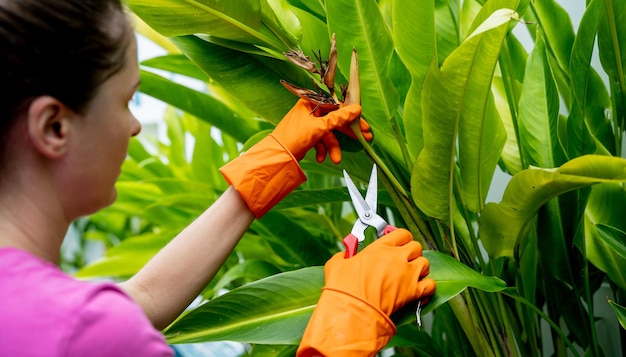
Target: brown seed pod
331	68
298	58
353	93
319	99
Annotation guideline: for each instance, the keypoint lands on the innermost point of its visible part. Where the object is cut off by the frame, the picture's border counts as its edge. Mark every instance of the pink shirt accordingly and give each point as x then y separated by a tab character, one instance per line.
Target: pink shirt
45	312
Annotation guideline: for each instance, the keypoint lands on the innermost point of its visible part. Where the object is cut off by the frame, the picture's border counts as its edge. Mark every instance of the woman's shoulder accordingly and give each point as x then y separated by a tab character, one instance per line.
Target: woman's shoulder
44	309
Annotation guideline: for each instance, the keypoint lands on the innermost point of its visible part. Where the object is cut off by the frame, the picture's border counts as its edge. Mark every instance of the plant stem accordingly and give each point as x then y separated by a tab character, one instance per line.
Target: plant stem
402	199
592	324
463	315
535	309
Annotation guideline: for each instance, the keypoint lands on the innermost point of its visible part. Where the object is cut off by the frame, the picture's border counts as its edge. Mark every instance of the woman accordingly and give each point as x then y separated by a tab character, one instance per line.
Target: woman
68	70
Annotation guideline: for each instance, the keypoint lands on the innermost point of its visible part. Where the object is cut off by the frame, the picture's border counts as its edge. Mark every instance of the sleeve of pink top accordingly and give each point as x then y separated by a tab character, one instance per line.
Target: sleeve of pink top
111	324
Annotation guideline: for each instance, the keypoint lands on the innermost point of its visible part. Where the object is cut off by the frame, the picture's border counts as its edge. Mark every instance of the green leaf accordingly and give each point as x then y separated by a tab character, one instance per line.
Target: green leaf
358	24
176	63
292	238
612	52
604	224
621	313
606	250
590	95
415	43
539	113
261	91
273	351
278	15
202	105
273	310
612	41
236	21
251	269
456	102
452	277
503	223
125	259
557	34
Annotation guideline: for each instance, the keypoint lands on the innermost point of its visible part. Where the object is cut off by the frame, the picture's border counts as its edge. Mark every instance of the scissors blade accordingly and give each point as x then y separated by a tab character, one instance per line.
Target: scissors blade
357	200
371	197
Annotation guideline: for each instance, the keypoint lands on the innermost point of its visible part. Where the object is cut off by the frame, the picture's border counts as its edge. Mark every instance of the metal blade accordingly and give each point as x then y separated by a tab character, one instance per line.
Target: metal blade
357	200
371	197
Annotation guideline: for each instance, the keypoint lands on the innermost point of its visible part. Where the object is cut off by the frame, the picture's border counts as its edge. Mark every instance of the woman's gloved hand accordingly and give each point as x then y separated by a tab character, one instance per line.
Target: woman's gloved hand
305	127
352	315
269	170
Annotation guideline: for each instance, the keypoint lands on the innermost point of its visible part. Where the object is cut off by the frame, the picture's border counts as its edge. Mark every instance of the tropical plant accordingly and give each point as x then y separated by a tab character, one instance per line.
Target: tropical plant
453	98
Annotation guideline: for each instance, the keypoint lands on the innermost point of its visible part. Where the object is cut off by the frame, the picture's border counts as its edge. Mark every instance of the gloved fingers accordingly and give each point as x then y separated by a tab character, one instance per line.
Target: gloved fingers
320	152
302	107
414	250
363	126
425	288
396	238
422	266
342	116
366	130
332	145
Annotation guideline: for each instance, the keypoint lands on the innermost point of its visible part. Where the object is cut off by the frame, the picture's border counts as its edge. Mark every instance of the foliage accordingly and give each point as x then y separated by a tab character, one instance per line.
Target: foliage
453	98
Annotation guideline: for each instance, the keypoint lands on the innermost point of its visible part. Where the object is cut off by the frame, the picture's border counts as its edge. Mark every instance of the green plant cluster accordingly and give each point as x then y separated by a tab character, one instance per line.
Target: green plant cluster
453	97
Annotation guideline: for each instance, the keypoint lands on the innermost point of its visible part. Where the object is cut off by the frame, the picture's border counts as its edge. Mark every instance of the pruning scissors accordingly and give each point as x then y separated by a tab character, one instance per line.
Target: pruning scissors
366	210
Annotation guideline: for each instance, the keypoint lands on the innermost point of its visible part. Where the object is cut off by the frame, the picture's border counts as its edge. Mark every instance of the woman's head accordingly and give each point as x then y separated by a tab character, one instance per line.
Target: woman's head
64	49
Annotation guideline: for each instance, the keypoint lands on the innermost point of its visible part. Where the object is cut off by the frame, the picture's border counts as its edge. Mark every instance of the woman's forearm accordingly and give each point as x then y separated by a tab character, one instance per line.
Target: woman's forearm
175	276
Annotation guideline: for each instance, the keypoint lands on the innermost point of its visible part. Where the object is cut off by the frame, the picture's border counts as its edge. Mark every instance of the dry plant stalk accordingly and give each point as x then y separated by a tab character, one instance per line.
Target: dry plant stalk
353	93
326	69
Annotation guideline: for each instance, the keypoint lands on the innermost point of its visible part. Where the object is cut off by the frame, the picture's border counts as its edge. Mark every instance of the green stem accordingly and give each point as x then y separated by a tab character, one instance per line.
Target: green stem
488	324
397	189
464	316
595	349
543	315
403	148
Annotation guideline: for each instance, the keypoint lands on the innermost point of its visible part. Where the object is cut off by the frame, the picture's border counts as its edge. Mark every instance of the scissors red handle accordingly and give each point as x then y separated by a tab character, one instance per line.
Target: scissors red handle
351	242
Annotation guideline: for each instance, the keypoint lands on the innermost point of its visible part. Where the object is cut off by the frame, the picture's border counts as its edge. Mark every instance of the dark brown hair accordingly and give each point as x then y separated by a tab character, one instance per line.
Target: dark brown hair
64	49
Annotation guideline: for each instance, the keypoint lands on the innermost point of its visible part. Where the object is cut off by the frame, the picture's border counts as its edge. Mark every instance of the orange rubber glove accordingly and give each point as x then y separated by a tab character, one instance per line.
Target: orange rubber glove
352	315
305	127
269	170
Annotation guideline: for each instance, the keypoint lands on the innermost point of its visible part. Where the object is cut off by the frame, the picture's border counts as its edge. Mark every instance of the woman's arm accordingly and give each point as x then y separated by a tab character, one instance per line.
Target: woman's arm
175	276
259	179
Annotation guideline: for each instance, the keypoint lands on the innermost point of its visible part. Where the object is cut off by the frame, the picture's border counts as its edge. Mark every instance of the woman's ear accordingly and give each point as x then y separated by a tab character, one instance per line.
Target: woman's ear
48	126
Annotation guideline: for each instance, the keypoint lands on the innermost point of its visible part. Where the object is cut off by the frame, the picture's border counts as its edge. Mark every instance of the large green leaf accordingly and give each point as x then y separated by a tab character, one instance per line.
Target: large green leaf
230	20
299	237
612	41
358	24
621	313
606	250
501	224
261	91
590	95
557	34
612	52
415	43
604	227
202	105
539	113
456	103
125	259
274	310
452	277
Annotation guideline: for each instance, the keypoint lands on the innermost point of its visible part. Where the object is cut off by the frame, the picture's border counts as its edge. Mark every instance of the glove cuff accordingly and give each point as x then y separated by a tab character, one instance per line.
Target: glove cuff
344	325
264	175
